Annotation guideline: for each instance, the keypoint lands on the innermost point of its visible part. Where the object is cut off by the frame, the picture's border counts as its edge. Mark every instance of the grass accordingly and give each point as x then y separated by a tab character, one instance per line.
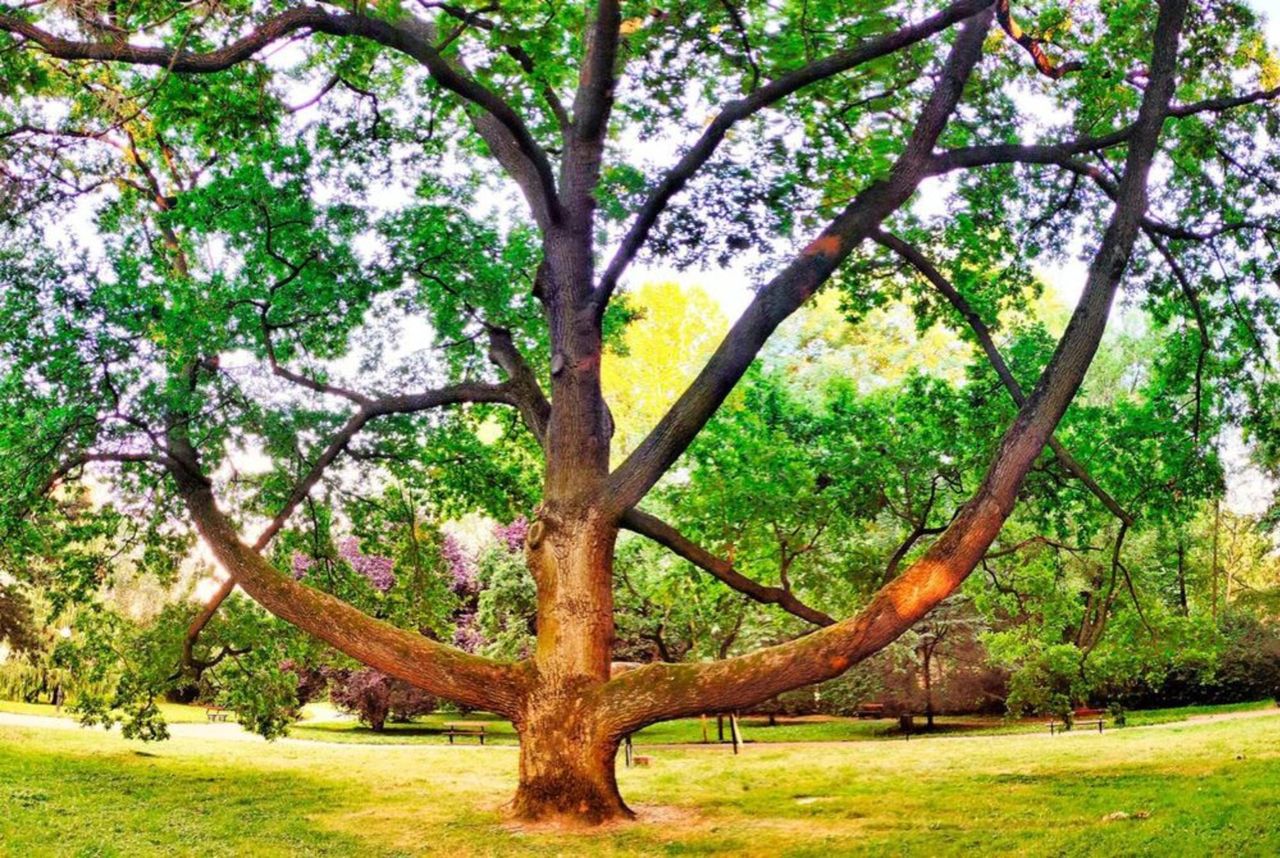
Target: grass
174	713
321	725
1186	789
1144	717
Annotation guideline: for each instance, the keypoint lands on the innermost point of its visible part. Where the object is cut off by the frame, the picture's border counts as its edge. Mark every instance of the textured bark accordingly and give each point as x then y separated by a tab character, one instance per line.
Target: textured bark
439	669
567	762
566	755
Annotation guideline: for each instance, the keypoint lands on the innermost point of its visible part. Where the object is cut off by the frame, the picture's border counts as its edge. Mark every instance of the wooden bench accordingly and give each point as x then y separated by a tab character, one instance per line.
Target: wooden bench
1080	716
463	730
870	710
217	713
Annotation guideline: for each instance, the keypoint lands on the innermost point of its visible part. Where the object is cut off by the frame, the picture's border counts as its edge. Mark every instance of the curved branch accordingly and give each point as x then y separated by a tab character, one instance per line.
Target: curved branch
337	444
657	691
1033	45
801	278
667	536
1058	153
439	669
409	36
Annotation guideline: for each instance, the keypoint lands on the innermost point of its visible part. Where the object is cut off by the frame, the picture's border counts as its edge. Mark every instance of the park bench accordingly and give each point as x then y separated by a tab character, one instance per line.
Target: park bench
1079	716
217	713
463	730
870	710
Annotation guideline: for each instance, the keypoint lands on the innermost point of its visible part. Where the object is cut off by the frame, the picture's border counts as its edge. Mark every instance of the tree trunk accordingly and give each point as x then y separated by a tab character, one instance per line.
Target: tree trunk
567	766
567	755
928	686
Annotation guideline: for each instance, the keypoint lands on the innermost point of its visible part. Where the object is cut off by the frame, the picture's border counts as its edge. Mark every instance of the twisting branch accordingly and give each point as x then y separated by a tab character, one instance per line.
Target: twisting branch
982	333
408	35
1032	45
736	111
1061	153
407	655
74	463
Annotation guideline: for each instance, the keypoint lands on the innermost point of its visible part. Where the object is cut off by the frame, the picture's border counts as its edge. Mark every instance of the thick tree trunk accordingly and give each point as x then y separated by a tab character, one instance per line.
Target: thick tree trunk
567	765
566	753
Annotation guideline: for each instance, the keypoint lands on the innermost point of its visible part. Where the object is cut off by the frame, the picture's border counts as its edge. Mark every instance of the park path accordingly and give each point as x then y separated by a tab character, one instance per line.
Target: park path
233	733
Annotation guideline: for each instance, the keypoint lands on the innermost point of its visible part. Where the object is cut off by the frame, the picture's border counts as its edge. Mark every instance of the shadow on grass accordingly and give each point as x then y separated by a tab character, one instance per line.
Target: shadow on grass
136	803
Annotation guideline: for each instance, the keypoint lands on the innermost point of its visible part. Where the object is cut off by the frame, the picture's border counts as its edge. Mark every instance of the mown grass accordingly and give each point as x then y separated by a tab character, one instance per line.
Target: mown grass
1143	717
321	725
1184	789
174	713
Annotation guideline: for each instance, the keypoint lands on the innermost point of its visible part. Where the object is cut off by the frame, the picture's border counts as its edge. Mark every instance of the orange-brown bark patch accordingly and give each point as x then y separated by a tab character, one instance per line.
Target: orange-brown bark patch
825	245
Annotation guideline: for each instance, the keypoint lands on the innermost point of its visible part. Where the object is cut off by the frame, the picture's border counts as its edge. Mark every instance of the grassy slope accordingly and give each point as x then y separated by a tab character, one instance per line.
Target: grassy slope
1207	788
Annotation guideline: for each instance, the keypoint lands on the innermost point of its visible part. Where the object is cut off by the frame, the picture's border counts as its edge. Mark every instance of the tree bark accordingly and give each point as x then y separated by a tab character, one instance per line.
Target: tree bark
566	751
567	763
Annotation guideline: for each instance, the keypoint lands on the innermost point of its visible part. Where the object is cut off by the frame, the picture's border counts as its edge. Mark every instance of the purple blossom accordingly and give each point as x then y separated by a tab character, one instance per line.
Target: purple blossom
301	563
349	548
378	570
513	534
466	636
460	564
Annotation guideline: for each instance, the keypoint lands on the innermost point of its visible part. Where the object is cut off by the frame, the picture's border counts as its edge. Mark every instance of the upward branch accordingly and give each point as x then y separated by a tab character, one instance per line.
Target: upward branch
736	111
783	295
982	333
742	681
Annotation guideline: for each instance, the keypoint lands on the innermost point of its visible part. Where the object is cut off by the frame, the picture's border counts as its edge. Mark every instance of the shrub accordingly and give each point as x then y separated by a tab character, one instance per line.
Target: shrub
374	697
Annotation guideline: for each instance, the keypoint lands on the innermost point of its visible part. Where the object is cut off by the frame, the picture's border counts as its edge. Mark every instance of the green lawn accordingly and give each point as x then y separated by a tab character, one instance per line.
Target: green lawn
321	726
174	713
1187	789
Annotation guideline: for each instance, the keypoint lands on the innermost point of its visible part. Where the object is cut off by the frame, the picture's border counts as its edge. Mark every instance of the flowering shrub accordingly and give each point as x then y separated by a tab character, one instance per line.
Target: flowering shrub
512	535
462	568
379	571
373	696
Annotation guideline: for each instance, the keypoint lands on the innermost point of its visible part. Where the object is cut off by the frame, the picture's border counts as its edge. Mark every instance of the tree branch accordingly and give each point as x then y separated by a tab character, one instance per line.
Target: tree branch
983	335
369	410
801	278
408	35
667	536
655	692
735	111
410	656
1033	45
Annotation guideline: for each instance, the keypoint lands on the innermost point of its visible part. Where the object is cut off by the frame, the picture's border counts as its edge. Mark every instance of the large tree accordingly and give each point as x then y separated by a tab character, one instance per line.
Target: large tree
357	245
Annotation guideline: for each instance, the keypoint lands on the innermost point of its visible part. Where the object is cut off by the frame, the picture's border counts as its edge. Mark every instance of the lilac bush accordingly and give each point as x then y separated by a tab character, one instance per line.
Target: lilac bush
379	571
373	696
